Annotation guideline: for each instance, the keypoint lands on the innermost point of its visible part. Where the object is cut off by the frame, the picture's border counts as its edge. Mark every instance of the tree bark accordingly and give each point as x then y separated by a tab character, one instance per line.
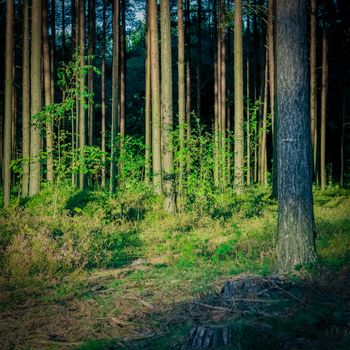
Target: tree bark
25	101
8	103
199	55
36	93
181	92
313	84
167	108
82	114
238	80
47	92
324	107
91	53
115	94
296	228
103	97
156	121
122	90
188	87
148	126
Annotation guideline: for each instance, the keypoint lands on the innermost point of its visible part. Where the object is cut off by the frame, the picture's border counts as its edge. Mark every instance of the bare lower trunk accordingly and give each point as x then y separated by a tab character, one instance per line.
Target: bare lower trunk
8	103
295	245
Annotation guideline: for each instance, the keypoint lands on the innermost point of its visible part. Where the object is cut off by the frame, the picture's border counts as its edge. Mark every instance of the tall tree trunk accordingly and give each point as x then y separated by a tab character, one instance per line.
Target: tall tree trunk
295	245
181	92
216	100
36	93
47	92
122	89
91	53
167	108
156	121
188	87
53	48
223	93
199	55
8	103
324	106
313	85
342	141
25	101
103	97
263	150
63	29
148	130
238	71
248	105
82	114
271	50
115	94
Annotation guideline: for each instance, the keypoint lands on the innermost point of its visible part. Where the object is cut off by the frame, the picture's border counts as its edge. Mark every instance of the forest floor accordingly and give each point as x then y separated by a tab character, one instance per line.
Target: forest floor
168	282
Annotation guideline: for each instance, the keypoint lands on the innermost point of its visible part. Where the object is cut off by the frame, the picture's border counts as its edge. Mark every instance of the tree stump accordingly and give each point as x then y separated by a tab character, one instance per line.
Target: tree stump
208	337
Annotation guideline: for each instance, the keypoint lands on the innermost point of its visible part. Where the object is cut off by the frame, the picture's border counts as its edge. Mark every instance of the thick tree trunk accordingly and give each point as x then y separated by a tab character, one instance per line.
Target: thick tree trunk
156	121
103	97
167	108
82	114
181	92
296	228
115	95
47	93
26	101
324	107
238	80
8	103
148	126
36	93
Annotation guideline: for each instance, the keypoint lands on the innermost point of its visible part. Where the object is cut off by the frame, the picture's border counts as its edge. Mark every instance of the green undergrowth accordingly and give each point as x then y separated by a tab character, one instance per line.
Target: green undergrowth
52	242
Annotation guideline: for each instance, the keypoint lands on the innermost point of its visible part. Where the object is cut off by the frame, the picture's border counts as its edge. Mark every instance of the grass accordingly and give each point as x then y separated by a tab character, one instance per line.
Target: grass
119	269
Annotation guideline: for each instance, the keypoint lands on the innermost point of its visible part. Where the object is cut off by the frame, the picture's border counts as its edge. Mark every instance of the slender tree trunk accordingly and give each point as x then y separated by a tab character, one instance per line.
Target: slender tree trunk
181	92
263	151
156	121
103	97
342	141
53	48
295	245
25	101
8	103
271	50
188	87
122	89
63	31
82	114
47	92
313	84
248	105
36	93
238	66
148	126
167	108
223	94
324	107
199	55
115	94
216	100
91	53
